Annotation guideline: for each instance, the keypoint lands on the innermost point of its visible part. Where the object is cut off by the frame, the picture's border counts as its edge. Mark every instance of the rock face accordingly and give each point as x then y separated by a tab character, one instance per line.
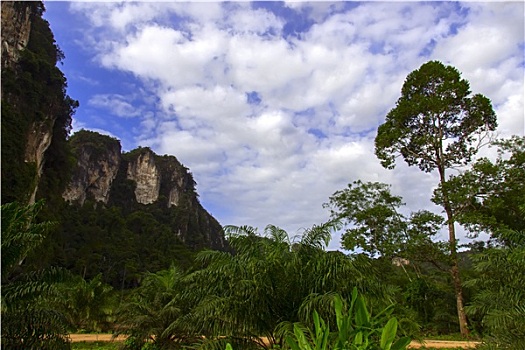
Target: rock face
97	167
37	110
145	173
16	27
39	139
139	179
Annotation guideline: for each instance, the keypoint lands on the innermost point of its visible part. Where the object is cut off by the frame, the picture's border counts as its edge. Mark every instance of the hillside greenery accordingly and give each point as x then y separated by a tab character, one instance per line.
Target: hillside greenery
34	95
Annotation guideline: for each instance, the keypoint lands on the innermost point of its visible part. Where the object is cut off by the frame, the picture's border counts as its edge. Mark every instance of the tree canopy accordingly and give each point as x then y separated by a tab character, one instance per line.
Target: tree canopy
376	225
435	124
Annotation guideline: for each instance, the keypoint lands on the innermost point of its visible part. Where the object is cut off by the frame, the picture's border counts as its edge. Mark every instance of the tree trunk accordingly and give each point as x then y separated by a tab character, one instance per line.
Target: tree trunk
456	279
454	268
462	317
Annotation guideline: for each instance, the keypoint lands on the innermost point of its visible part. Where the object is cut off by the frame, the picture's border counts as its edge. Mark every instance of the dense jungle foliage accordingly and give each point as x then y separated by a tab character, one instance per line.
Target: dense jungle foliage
96	268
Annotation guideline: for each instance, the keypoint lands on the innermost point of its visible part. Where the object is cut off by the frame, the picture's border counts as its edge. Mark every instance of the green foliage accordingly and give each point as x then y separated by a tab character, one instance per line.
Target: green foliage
378	228
356	329
26	321
153	311
435	105
18	177
88	305
500	296
96	143
34	98
20	235
93	239
491	195
432	298
245	294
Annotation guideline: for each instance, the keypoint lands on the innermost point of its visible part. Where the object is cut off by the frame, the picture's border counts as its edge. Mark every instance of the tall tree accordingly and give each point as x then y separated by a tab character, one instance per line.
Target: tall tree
437	125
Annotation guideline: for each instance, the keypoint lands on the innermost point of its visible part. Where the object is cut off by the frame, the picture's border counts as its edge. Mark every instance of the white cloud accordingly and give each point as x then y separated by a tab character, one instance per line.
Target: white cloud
488	50
260	163
254	21
116	104
215	106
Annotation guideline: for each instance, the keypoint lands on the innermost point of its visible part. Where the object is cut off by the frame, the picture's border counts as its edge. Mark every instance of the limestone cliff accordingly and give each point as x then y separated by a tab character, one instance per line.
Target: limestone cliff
16	26
36	112
98	161
139	180
144	172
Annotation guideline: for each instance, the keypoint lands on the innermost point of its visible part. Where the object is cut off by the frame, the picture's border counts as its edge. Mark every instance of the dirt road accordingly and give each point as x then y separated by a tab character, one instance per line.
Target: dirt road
75	338
439	344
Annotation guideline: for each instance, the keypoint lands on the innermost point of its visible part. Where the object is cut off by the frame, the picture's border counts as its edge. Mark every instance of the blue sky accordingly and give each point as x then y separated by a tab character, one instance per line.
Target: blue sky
275	105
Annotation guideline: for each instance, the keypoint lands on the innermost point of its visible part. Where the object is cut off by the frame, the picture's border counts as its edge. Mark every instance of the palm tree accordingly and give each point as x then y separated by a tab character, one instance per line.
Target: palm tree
88	305
26	321
244	294
239	291
153	311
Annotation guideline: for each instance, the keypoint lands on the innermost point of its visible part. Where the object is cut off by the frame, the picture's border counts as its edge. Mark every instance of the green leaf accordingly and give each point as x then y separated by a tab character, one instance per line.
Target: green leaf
401	344
389	333
358	339
301	338
338	306
362	317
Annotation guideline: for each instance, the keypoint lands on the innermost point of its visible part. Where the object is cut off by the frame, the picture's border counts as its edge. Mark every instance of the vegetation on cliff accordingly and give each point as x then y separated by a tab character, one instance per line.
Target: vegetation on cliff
34	100
122	239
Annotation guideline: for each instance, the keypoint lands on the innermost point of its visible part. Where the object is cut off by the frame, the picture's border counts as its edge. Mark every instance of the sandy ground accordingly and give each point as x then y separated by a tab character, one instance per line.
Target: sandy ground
95	337
444	344
414	345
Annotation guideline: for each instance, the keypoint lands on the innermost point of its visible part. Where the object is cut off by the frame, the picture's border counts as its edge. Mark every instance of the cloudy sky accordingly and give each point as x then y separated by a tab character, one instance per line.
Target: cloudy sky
275	105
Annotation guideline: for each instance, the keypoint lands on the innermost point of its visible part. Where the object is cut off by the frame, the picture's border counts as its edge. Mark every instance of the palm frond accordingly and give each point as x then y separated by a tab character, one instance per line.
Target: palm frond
319	236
